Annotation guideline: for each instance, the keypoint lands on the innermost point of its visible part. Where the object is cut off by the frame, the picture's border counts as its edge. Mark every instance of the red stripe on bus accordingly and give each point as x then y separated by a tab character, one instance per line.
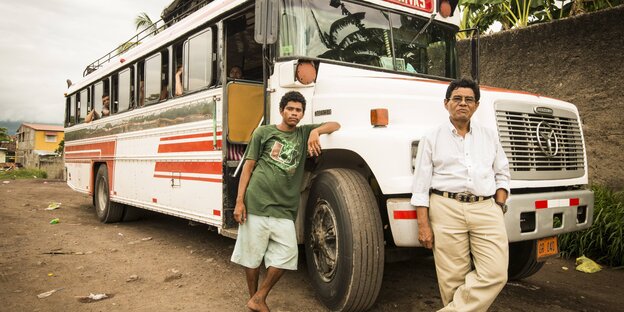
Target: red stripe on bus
189	136
541	204
202	146
405	214
91	150
190	167
574	201
188	178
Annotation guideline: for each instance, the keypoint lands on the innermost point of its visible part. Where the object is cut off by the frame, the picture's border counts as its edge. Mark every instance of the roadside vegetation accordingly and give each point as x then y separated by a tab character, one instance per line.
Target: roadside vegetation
604	240
23	173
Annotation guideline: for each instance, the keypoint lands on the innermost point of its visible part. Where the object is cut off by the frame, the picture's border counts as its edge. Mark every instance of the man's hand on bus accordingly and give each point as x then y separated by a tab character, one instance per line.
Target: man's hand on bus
240	213
314	144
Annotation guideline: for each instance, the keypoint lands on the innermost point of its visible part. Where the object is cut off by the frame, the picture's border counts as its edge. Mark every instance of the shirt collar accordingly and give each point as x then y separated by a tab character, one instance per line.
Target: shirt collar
452	127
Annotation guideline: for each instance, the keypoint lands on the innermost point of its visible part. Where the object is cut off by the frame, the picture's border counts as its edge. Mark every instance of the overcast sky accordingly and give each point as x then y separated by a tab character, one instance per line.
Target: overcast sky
45	42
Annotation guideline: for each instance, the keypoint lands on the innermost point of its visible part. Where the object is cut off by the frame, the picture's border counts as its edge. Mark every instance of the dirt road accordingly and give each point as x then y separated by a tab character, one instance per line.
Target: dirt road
162	263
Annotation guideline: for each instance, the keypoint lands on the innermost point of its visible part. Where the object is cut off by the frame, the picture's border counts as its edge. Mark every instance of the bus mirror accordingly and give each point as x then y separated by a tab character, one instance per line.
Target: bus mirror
266	20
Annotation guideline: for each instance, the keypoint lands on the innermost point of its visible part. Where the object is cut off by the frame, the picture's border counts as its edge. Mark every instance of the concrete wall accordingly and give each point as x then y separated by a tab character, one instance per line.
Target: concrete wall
579	60
53	165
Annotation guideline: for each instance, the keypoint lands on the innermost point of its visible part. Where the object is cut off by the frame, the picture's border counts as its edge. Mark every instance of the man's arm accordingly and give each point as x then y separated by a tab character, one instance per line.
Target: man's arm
240	212
502	176
314	144
420	192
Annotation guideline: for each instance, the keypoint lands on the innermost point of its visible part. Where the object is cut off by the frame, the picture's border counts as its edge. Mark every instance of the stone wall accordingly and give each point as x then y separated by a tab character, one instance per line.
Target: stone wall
579	60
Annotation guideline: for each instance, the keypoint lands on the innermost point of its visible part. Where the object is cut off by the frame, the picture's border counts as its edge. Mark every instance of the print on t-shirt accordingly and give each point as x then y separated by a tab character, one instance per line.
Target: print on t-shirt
285	156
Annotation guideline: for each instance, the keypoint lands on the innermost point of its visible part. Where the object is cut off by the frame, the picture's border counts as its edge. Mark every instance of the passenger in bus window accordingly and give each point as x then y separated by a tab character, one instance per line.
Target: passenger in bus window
268	196
106	104
141	93
164	93
179	89
236	72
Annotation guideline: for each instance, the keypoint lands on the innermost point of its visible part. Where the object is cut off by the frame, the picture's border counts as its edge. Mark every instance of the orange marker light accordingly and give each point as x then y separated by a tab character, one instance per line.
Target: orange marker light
379	117
445	8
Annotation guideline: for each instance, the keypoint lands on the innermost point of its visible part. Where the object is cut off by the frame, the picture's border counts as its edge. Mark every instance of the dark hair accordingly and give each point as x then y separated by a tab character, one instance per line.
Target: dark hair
463	83
293	96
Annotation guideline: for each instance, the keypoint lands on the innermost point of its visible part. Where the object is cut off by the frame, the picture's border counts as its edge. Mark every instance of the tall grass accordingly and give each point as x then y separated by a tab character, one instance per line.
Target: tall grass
604	240
23	173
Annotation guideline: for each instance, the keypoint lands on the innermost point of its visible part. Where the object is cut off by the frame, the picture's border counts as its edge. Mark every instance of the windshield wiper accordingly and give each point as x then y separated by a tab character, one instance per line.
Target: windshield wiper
433	15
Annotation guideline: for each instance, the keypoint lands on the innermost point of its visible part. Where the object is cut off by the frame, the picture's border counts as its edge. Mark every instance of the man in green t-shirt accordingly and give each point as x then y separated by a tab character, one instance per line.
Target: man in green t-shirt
268	196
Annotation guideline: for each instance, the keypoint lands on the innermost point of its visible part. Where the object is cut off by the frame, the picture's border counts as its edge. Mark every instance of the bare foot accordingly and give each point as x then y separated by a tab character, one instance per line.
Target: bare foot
257	304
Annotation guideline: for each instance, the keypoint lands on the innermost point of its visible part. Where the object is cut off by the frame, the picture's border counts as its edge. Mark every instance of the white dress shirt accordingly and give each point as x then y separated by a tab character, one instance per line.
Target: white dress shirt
475	163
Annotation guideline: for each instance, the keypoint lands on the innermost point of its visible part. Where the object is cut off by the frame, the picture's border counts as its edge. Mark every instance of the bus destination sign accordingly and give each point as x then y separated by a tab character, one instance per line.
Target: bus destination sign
421	5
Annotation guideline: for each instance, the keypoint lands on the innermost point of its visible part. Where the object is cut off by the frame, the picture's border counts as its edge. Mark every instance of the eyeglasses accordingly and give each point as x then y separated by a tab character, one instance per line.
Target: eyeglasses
468	99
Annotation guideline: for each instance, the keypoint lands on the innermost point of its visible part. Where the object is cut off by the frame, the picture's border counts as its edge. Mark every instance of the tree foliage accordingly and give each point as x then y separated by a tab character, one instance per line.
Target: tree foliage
482	14
4	134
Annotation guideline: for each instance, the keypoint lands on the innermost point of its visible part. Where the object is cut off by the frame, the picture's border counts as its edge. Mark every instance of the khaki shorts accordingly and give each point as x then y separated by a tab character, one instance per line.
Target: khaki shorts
268	238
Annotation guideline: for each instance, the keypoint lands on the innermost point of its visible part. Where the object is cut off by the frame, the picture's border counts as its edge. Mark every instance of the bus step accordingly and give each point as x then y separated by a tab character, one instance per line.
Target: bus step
230	232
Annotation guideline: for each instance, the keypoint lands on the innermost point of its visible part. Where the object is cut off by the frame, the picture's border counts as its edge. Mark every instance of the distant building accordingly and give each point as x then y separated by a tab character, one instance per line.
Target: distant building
36	148
8	149
3	154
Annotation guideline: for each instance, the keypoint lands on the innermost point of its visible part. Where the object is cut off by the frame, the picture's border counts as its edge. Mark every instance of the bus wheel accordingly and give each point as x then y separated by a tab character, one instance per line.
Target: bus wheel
106	210
344	241
522	260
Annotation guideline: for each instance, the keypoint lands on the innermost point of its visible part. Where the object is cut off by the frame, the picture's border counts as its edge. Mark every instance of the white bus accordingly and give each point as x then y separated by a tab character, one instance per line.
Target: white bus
379	67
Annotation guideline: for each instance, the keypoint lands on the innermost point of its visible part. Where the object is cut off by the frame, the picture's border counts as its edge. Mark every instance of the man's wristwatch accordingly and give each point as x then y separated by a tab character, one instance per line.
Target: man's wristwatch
503	206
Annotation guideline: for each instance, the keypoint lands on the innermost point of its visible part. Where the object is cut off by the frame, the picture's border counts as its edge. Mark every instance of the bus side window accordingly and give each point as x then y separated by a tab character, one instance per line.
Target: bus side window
153	79
198	52
124	87
83	105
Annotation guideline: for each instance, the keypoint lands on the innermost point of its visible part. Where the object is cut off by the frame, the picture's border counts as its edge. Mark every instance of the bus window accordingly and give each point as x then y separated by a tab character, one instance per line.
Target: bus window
70	118
83	105
199	61
152	79
98	92
125	90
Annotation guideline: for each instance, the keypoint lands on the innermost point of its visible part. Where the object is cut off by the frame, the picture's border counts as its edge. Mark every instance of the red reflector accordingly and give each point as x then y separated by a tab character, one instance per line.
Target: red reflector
216	212
154	200
574	201
405	214
541	204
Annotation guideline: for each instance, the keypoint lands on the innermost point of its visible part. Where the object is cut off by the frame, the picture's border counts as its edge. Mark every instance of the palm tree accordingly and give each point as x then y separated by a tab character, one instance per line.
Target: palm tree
145	22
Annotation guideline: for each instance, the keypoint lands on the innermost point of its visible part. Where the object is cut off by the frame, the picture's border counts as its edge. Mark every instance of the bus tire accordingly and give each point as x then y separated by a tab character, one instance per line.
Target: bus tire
522	260
344	243
107	211
132	214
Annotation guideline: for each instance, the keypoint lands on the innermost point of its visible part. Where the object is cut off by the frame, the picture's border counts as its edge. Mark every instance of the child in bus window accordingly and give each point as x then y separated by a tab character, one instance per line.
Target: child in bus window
236	72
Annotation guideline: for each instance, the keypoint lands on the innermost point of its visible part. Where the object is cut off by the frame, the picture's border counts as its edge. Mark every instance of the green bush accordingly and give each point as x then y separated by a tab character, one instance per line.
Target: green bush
23	173
604	240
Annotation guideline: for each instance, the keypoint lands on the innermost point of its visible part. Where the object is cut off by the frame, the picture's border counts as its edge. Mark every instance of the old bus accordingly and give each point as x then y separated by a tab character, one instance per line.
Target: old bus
178	127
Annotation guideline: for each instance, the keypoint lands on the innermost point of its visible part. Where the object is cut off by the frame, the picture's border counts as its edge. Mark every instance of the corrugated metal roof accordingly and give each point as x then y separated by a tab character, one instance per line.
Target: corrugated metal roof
44	127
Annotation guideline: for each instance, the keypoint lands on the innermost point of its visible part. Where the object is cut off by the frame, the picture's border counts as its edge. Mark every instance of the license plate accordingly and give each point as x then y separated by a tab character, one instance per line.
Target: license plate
547	247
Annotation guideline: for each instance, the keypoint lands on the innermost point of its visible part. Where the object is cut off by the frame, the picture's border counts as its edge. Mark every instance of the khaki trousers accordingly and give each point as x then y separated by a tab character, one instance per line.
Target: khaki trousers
462	230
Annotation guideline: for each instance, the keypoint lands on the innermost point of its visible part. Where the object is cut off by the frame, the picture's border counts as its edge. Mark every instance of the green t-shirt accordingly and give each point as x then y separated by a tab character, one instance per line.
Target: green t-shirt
274	187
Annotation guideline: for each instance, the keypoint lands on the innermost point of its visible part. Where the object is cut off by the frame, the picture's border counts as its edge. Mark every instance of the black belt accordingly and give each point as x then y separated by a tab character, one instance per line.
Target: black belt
462	197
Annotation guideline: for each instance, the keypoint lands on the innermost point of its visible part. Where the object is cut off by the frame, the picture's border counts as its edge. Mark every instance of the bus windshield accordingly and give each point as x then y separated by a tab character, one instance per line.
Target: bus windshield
355	33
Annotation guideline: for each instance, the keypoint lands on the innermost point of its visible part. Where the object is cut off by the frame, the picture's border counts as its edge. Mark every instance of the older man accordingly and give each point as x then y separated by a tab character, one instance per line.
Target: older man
460	189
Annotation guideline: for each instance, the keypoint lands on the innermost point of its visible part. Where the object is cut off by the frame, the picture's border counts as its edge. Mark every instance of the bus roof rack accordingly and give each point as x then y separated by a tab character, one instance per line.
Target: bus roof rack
172	14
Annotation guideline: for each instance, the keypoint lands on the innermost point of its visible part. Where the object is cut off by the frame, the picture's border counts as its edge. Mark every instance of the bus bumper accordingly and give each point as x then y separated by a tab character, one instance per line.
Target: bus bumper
530	216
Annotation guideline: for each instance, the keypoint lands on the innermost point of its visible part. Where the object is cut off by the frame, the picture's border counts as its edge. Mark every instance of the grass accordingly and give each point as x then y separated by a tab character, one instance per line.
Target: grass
604	240
23	173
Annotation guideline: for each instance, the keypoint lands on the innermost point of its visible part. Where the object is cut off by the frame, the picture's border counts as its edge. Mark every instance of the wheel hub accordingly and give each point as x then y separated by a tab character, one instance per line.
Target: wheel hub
324	240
